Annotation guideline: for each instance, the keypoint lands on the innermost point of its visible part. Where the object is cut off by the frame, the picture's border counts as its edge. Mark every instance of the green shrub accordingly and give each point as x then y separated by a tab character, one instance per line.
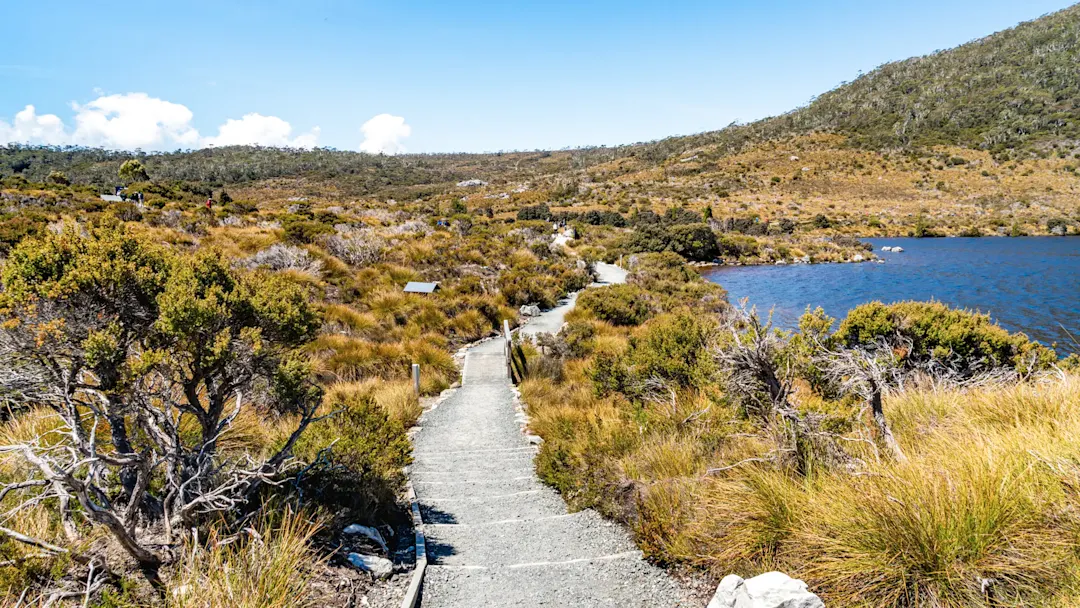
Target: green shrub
368	449
579	338
738	245
651	269
299	230
965	341
692	241
538	212
14	228
1058	223
618	304
674	348
526	287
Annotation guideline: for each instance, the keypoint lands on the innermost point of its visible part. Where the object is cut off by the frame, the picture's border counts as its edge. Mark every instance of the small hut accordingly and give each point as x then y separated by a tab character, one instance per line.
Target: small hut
418	287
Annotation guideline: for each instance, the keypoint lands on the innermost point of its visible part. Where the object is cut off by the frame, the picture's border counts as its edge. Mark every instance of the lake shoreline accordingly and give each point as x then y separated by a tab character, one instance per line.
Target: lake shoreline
1027	284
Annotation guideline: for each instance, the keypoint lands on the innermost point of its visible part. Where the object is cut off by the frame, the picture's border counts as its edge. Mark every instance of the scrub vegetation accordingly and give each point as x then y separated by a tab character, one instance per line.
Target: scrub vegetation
204	382
197	400
911	455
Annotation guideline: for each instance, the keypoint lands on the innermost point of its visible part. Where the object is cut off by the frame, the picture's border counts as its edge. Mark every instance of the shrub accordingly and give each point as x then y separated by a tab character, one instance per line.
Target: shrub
284	257
301	231
357	247
14	228
672	349
527	287
1057	225
738	246
692	241
617	304
679	215
58	177
966	341
675	349
651	269
579	338
923	229
371	447
126	211
537	212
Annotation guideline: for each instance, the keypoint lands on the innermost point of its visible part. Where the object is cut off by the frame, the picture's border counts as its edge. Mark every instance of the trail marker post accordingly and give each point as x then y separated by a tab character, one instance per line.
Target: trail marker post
507	350
416	378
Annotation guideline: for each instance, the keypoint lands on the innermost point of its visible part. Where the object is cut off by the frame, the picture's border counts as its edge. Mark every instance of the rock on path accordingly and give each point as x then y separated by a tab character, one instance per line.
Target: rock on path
496	535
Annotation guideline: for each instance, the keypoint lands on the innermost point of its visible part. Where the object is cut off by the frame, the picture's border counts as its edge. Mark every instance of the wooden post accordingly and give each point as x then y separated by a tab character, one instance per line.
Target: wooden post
507	351
416	378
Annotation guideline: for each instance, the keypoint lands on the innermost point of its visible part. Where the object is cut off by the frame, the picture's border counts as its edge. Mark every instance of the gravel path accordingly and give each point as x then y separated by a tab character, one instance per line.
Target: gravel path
496	535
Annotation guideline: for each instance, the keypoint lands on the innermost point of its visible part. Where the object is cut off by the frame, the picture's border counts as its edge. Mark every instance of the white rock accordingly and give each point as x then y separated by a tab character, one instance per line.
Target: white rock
898	249
369	532
181	591
858	258
731	593
377	566
530	310
769	590
886	248
471	183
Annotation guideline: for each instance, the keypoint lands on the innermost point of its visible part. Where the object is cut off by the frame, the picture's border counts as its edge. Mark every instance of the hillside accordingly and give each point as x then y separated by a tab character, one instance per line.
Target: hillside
207	377
979	139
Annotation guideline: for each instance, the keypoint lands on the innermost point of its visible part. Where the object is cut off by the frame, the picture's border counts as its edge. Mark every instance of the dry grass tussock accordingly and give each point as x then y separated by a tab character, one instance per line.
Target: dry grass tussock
984	512
270	566
396	398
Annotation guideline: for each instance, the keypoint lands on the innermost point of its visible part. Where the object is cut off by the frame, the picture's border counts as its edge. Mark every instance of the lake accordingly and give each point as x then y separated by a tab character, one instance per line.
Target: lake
1028	284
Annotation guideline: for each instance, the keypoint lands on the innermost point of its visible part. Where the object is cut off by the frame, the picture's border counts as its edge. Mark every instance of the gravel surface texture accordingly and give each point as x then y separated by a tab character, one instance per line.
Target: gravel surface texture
496	535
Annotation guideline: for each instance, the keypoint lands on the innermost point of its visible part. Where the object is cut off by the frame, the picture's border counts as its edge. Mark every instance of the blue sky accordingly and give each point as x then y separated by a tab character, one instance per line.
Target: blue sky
429	76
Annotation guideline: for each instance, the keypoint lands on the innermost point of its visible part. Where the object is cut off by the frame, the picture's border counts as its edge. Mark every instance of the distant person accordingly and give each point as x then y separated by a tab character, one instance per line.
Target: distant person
209	202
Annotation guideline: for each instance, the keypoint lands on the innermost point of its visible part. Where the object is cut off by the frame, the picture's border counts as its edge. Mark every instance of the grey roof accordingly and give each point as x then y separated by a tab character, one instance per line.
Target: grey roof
112	198
417	287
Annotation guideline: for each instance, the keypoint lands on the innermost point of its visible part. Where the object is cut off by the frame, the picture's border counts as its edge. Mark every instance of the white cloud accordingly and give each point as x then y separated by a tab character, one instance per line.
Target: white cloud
383	134
136	120
133	120
29	127
256	129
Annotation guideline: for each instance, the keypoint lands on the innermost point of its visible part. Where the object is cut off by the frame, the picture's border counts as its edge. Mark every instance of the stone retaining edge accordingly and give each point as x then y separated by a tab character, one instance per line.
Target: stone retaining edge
412	594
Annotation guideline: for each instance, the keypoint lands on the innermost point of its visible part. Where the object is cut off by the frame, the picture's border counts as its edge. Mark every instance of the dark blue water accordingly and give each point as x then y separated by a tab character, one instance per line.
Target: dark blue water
1026	284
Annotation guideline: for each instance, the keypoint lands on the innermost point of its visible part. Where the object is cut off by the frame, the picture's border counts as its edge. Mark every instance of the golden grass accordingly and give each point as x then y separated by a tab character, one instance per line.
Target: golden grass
848	183
271	568
353	321
397	398
985	512
343	359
